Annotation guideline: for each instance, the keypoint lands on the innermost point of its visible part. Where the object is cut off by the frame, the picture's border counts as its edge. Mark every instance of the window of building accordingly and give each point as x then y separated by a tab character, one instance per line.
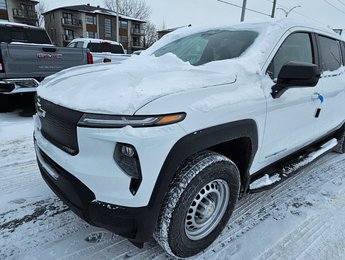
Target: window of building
123	39
90	19
107	27
330	54
123	24
297	47
91	35
67	17
3	5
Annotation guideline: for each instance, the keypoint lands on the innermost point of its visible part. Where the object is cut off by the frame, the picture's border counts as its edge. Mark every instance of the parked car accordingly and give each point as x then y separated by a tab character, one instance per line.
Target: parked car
27	56
102	50
167	142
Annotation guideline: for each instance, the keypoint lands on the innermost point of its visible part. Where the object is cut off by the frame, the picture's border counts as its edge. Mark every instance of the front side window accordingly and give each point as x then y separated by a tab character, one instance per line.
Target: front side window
330	54
297	47
205	47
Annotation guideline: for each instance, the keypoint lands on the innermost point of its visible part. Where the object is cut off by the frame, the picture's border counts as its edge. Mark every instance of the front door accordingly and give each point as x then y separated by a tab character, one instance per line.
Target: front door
291	118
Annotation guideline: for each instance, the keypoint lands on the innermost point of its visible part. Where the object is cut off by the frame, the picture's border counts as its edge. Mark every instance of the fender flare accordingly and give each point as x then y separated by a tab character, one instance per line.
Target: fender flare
196	142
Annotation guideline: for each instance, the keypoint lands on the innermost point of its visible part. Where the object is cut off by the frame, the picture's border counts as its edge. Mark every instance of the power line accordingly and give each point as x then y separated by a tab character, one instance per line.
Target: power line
252	10
303	15
326	1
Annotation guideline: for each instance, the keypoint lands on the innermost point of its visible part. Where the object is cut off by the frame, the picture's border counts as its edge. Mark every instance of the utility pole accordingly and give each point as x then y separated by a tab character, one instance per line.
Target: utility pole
117	21
244	6
274	8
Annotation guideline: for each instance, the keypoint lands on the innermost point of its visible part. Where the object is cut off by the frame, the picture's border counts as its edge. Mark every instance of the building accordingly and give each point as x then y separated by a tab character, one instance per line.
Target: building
19	11
67	23
163	32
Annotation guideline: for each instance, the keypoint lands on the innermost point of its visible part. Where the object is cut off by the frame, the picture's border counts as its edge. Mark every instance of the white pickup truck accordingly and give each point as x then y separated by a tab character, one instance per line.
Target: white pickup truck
165	143
102	50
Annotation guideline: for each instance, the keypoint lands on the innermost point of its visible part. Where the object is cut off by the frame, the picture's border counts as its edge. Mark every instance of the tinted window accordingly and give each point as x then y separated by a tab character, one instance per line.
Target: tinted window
297	47
105	47
201	48
26	35
330	54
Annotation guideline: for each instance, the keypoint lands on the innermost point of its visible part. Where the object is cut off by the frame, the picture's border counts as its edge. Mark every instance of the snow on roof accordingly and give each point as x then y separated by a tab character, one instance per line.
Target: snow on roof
95	10
93	40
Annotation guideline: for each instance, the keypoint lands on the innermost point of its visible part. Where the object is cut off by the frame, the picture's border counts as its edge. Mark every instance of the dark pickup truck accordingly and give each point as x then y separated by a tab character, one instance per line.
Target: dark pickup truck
27	56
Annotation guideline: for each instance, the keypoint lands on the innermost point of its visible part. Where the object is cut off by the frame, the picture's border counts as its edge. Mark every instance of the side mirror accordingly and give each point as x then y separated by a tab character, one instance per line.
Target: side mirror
295	75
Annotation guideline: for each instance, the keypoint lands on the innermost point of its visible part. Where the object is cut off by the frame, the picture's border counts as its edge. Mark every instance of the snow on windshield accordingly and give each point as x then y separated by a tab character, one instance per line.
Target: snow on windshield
205	47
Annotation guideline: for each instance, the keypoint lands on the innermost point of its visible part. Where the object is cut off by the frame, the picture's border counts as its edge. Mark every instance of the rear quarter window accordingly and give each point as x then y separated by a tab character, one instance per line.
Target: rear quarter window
331	57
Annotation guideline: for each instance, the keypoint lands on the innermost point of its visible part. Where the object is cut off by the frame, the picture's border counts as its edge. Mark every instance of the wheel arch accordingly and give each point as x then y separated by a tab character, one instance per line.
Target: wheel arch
241	135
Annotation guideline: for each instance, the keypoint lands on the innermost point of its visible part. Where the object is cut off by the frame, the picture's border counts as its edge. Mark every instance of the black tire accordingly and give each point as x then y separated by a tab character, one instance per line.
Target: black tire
199	172
340	148
5	103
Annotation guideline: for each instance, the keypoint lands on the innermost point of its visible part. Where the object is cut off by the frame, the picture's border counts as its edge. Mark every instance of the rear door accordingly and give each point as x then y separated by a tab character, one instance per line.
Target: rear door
332	83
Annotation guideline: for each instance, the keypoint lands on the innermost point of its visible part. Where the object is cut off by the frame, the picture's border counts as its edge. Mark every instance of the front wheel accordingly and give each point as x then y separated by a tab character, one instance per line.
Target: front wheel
198	205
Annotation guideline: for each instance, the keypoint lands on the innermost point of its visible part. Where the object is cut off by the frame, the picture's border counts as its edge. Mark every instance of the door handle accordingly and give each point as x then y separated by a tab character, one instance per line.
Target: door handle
317	96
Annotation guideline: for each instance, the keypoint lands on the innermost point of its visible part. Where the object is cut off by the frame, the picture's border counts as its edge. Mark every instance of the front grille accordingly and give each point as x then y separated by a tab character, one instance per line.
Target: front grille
59	125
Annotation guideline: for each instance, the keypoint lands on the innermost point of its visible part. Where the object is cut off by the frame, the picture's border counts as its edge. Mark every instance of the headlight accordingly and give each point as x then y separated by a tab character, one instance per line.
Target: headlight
110	121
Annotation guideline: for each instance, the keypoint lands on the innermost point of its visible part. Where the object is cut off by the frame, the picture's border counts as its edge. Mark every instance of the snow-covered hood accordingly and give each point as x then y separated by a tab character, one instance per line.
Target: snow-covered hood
124	88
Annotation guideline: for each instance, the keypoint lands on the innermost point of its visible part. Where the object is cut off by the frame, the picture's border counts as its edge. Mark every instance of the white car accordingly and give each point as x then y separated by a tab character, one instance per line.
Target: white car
166	143
101	50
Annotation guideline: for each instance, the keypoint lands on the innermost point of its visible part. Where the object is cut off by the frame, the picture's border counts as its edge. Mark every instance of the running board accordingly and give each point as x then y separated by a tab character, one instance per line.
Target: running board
275	176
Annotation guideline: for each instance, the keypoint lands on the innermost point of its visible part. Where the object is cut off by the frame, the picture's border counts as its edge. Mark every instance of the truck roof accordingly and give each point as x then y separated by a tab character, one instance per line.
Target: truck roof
95	41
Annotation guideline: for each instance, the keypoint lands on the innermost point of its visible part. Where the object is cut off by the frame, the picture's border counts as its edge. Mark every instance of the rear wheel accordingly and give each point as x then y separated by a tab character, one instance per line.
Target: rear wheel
198	205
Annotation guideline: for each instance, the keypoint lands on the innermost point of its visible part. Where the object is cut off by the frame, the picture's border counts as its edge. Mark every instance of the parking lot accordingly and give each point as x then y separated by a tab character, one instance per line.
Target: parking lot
302	218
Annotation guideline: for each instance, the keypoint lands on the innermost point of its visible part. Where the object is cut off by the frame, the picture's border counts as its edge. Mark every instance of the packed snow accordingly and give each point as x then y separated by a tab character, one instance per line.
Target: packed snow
301	218
266	180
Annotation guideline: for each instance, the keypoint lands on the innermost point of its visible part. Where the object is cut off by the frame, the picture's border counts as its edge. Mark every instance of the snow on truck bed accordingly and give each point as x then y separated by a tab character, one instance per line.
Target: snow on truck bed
301	218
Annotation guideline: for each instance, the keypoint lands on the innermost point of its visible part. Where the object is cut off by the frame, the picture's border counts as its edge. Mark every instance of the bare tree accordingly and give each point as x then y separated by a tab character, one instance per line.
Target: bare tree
151	34
41	8
133	8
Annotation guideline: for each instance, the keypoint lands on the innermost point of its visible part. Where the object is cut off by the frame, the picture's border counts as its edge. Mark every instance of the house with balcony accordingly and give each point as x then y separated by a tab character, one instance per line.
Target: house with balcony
85	21
19	11
22	11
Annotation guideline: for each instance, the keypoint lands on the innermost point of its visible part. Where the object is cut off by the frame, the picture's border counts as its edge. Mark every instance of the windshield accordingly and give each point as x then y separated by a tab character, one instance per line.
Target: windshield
209	46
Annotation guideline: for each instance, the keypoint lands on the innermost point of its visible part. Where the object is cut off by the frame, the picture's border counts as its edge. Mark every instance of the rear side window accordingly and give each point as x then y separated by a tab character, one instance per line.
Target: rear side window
330	54
105	47
297	47
25	35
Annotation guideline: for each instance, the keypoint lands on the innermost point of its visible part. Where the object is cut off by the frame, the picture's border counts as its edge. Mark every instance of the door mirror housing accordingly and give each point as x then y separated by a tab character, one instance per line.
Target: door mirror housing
295	75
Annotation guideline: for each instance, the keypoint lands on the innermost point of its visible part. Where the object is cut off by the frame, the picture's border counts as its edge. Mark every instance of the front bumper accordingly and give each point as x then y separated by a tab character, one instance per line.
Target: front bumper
17	86
136	224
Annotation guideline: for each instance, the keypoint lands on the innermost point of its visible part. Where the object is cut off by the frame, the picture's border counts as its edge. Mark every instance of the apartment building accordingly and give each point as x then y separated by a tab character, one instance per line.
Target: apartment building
85	21
19	11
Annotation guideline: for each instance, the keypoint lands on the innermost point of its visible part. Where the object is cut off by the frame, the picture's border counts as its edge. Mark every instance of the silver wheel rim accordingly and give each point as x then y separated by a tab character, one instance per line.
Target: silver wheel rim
207	209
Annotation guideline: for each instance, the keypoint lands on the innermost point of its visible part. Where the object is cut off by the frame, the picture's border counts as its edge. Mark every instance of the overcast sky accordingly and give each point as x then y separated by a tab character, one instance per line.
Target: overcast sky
174	13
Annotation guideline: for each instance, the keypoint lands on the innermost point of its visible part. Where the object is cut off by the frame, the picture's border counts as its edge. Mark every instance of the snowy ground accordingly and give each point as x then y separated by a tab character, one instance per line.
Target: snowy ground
301	218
